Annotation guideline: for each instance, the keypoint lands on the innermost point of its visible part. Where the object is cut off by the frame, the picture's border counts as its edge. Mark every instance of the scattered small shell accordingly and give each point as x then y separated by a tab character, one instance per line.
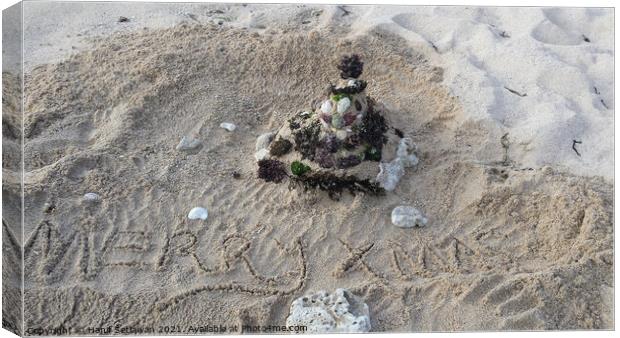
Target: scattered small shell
92	197
188	144
343	105
198	213
228	126
327	107
408	217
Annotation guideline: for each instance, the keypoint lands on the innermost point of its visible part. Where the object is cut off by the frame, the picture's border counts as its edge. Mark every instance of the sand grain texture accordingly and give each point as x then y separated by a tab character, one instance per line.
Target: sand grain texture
507	247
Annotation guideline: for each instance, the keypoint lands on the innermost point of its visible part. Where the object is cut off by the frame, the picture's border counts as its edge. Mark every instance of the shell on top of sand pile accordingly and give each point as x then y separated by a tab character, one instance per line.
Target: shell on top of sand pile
321	312
345	141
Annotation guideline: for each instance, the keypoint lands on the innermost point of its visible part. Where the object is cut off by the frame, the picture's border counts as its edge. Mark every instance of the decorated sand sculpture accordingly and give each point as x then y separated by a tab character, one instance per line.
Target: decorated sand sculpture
343	143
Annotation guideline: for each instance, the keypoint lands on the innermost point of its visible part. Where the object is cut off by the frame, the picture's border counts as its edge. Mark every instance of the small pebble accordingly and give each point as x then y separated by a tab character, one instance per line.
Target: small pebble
408	217
123	19
188	144
262	154
228	126
263	141
92	197
198	213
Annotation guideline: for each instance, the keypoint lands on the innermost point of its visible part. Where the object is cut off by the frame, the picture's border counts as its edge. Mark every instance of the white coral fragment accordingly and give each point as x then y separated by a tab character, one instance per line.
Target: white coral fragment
340	312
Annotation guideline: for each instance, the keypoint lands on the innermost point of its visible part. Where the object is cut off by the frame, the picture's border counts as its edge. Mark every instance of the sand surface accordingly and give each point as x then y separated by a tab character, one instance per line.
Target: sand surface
520	232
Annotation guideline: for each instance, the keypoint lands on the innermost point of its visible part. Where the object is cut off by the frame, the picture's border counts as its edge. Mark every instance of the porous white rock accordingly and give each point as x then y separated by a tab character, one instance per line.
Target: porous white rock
327	107
188	143
405	150
92	197
198	213
390	173
263	141
322	312
407	217
262	154
343	105
228	126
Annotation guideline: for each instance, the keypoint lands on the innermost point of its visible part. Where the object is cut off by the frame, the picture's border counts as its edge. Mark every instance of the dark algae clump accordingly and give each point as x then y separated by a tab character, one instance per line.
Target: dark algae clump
307	140
280	147
335	185
271	170
373	128
350	67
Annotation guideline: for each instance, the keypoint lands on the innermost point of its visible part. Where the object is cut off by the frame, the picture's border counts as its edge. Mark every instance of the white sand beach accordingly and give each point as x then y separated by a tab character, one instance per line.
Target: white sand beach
511	110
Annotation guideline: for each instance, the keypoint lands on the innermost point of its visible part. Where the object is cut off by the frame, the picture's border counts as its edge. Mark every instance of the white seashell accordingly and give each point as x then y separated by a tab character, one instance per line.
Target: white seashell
228	126
198	213
327	107
343	105
92	197
408	217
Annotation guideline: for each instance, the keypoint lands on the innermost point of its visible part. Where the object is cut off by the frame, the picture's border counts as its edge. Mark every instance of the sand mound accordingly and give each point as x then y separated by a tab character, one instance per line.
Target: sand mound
506	247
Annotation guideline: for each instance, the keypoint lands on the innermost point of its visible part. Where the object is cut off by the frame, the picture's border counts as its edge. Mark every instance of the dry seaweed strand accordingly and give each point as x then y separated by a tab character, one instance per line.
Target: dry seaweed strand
335	185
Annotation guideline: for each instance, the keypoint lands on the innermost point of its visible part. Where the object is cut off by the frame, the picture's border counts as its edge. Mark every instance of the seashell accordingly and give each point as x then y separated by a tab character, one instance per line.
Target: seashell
327	107
337	121
228	126
198	213
92	197
343	105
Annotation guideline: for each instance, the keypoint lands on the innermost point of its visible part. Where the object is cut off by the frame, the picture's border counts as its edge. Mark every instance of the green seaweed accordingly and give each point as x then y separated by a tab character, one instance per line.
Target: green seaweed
338	97
299	169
